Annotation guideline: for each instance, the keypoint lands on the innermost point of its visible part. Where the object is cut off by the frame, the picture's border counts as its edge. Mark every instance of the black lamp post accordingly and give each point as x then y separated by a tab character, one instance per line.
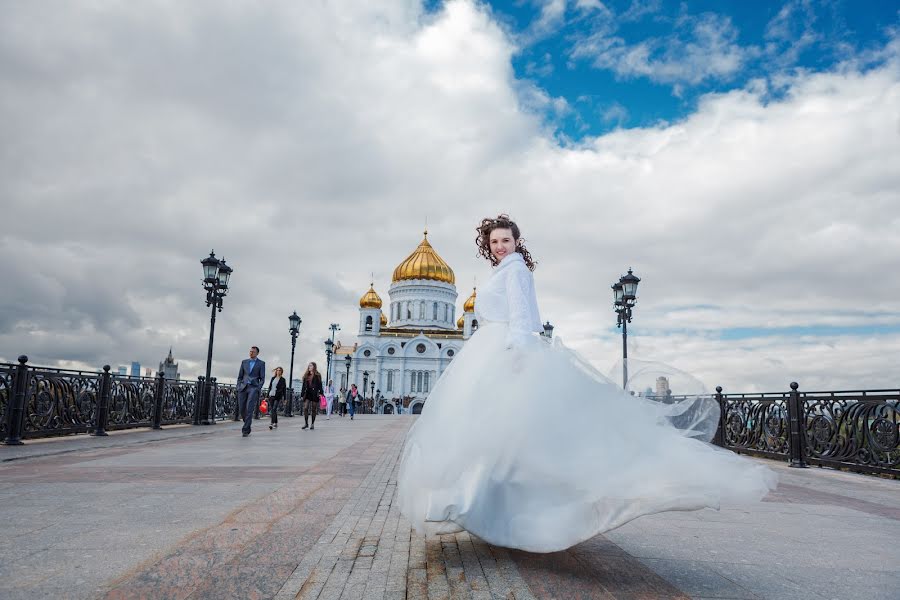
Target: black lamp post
347	361
295	321
372	391
365	388
548	330
329	349
624	298
215	281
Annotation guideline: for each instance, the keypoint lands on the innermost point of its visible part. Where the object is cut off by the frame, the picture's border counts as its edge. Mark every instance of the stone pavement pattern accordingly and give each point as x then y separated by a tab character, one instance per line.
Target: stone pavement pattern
203	513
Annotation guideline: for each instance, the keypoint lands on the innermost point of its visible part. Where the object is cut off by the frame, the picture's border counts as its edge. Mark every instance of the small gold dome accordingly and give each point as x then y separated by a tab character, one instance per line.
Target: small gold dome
370	299
424	263
461	322
469	306
383	320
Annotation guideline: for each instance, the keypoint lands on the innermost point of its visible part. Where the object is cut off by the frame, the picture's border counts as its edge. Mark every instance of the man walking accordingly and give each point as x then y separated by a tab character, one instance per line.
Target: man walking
249	384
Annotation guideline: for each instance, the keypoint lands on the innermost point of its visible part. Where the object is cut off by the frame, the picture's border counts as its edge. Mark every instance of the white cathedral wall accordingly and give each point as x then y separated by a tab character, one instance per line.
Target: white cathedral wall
422	303
404	363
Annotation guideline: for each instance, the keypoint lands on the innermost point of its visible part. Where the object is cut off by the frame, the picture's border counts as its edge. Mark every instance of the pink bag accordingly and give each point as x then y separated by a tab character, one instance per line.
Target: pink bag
322	402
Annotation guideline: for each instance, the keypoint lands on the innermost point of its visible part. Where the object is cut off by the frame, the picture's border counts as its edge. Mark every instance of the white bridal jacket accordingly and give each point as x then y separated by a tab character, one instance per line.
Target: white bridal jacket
508	296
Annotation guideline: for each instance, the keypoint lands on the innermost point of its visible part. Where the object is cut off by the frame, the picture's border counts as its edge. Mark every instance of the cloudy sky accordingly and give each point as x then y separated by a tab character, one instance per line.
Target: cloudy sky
742	157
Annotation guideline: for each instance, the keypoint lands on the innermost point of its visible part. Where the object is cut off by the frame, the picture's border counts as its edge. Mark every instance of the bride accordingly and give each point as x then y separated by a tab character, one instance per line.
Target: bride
525	445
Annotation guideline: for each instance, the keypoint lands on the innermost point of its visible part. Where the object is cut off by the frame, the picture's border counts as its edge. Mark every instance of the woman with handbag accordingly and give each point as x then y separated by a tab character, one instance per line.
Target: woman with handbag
329	398
277	389
309	395
342	402
352	396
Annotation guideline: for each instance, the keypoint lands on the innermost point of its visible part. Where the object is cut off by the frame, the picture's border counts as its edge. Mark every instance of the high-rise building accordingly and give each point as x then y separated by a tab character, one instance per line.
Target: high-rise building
123	370
662	387
169	367
135	369
148	372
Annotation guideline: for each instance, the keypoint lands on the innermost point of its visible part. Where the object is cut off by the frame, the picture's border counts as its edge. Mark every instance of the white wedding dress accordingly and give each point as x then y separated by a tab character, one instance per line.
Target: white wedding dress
525	445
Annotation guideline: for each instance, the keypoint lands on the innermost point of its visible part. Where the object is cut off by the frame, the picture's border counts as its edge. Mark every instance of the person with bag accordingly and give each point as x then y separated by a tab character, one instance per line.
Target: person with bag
329	398
352	397
277	390
342	403
309	395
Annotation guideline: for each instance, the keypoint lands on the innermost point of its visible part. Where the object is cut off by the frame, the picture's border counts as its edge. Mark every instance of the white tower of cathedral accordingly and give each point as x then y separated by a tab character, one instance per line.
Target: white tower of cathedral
405	351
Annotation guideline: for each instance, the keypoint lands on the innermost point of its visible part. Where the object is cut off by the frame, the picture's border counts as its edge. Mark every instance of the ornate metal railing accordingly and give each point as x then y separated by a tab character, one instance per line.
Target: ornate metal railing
41	402
854	430
755	424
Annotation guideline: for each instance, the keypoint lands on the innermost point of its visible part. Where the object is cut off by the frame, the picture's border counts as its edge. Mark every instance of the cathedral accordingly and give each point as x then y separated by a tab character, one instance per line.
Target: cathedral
404	346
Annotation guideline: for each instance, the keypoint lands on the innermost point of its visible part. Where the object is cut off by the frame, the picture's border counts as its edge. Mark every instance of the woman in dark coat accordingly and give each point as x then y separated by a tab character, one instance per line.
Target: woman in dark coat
309	395
277	389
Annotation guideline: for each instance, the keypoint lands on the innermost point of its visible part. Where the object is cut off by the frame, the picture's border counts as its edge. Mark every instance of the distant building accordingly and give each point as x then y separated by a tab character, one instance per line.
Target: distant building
148	372
123	370
135	369
169	367
662	387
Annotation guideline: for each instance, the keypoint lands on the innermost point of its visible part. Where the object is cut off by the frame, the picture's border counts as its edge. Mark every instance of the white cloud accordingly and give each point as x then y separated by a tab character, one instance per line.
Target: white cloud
791	31
700	48
309	142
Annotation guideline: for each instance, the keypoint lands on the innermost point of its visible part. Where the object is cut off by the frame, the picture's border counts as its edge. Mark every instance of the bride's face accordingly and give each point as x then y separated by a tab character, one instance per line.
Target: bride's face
502	243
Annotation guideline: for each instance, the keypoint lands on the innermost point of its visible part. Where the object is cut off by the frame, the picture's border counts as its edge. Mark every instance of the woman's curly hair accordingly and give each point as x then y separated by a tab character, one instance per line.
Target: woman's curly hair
483	241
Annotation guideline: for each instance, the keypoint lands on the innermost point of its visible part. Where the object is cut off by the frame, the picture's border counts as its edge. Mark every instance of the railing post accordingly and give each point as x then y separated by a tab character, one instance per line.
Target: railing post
198	401
103	403
237	404
213	392
795	413
158	400
15	410
719	438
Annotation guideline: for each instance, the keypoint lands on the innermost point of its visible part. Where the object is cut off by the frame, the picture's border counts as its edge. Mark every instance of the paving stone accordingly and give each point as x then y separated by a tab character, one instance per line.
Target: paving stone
321	522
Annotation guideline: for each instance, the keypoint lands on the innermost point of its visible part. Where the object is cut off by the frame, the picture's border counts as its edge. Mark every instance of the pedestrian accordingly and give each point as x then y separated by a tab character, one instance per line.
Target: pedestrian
309	395
277	389
249	384
329	398
342	403
352	396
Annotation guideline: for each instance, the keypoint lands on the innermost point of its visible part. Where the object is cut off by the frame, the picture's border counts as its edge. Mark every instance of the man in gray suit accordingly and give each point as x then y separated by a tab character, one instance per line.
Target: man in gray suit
249	384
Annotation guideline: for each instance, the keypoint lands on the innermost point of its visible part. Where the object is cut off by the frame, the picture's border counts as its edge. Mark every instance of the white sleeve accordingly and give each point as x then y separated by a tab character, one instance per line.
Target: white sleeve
522	307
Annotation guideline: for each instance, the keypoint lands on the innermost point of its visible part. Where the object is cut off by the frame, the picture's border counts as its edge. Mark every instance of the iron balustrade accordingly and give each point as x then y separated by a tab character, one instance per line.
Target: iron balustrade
854	430
857	430
63	401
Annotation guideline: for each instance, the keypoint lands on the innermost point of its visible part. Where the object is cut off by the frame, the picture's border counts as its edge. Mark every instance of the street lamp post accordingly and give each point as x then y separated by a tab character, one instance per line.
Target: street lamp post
347	361
215	281
624	298
548	330
372	392
295	321
329	348
365	388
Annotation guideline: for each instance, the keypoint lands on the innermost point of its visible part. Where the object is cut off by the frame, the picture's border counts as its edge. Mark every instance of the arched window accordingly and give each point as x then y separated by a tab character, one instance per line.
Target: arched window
390	381
408	311
435	311
474	324
427	377
422	311
369	323
446	312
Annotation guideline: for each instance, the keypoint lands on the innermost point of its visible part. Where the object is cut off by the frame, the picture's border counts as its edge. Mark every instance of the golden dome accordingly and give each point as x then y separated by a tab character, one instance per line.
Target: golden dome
460	322
370	299
424	263
469	306
383	320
